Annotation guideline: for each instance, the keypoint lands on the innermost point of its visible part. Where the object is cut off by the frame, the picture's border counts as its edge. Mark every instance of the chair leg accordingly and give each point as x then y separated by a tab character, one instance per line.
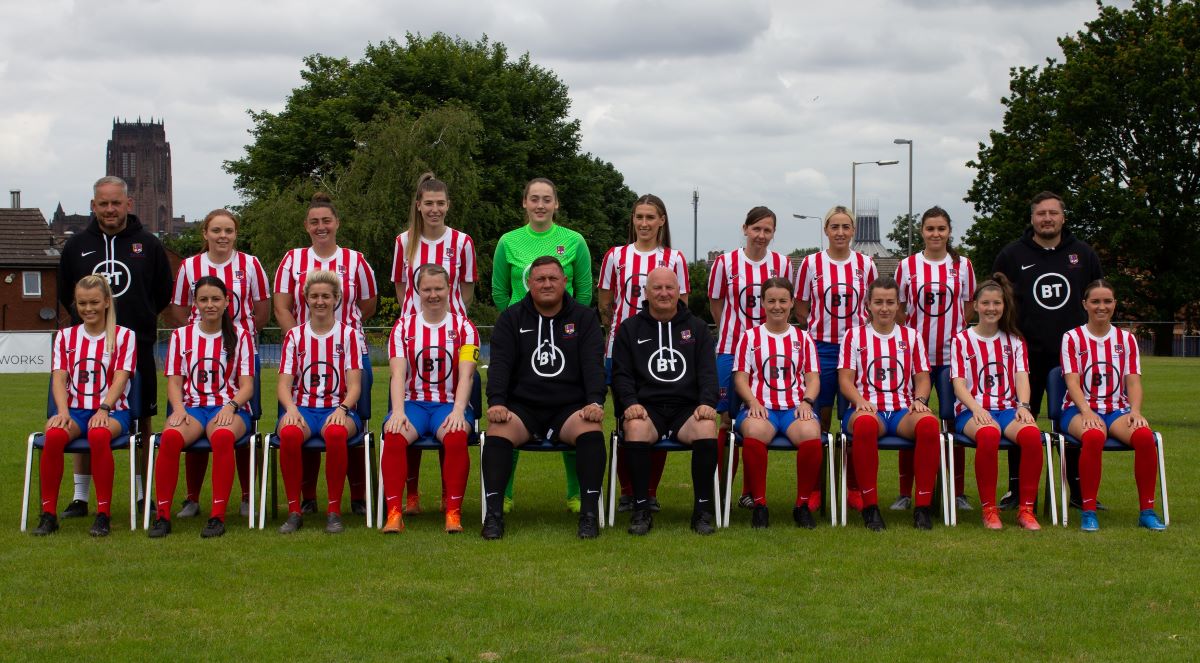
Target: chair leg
1051	499
253	477
842	491
368	478
948	460
731	443
150	481
379	495
133	444
28	472
266	463
830	479
1062	476
1162	478
719	511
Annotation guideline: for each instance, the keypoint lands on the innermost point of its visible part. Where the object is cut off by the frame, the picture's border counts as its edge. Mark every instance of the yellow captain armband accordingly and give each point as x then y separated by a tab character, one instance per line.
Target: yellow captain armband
469	353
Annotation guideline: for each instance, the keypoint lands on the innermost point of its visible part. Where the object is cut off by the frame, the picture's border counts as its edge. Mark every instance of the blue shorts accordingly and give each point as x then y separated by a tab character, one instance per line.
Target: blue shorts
1070	413
608	371
891	420
427	416
780	419
81	416
724	380
315	418
205	414
1003	419
935	372
827	357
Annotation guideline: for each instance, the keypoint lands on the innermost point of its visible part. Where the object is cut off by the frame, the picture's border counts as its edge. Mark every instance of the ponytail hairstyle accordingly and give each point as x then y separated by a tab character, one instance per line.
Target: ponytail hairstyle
1008	320
325	276
322	199
777	282
217	213
427	270
1098	283
759	213
97	282
416	223
664	232
936	212
880	283
229	337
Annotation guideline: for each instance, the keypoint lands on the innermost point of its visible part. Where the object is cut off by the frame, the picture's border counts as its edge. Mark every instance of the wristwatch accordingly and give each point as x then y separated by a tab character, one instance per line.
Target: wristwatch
106	407
923	400
235	404
1024	405
811	402
345	408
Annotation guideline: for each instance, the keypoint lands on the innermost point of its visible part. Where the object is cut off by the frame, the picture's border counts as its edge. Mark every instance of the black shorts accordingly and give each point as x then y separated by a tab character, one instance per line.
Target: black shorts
542	422
148	371
668	420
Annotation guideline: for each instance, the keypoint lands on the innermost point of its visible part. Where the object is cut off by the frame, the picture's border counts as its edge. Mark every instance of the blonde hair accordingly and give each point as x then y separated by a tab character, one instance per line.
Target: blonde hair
416	223
326	277
97	282
840	209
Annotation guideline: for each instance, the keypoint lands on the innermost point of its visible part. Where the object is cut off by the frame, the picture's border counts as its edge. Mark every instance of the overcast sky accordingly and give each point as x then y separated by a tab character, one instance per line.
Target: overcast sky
752	102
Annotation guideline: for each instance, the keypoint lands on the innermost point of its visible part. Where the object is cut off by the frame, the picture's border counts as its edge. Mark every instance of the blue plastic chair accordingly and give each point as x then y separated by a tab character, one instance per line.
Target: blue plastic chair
202	446
361	440
781	443
953	437
1056	389
889	443
430	442
37	440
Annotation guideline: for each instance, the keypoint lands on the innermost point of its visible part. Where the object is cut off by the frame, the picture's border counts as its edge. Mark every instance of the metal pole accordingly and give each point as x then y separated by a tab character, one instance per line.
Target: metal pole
695	225
853	202
910	215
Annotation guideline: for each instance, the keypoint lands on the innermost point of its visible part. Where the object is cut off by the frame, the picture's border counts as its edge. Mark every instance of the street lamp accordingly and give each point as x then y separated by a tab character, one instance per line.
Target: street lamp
853	175
815	218
907	141
695	225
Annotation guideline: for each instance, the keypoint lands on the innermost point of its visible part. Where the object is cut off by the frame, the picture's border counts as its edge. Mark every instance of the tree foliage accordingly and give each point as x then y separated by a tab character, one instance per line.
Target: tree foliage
1115	129
902	225
364	130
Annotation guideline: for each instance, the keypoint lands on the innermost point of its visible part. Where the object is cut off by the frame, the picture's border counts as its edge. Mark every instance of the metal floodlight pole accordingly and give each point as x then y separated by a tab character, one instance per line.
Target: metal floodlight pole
853	184
695	225
815	218
908	141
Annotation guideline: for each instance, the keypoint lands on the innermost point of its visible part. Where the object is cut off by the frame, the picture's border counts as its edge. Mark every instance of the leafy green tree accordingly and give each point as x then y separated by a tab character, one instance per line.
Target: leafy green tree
806	251
344	116
698	295
1113	129
902	225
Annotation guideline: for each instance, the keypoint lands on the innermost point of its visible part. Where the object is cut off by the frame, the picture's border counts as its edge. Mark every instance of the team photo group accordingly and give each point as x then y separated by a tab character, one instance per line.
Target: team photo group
797	351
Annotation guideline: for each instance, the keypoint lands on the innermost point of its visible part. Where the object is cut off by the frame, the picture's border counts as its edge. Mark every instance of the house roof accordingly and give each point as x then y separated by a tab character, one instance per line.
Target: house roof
25	239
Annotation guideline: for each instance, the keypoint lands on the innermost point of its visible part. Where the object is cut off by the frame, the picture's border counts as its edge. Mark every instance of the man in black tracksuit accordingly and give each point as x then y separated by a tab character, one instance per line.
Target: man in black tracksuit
135	263
1049	268
664	378
545	381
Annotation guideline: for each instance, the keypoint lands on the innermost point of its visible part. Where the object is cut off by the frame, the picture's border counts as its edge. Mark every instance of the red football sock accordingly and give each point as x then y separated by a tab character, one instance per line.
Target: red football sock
335	465
864	455
1030	440
987	455
100	444
223	465
1089	466
50	467
356	474
394	466
658	464
1145	464
905	467
808	471
927	459
455	468
312	471
413	480
242	458
754	475
623	477
194	467
291	464
442	463
166	471
960	471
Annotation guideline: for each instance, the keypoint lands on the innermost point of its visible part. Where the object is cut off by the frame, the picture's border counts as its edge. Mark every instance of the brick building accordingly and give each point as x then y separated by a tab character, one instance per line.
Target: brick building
28	268
140	154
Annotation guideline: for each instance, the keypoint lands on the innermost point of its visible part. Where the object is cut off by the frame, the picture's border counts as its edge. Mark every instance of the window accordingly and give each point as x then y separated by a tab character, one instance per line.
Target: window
31	283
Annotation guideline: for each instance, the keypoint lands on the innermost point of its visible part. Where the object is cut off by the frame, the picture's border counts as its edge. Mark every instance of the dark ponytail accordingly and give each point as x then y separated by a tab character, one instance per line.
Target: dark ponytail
1008	320
229	336
933	213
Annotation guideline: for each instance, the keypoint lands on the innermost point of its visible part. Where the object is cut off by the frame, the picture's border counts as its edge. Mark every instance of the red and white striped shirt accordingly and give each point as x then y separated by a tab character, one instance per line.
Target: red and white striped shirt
1102	364
776	364
242	275
319	363
935	293
989	366
884	366
358	283
737	281
455	251
209	377
623	272
432	352
90	370
835	292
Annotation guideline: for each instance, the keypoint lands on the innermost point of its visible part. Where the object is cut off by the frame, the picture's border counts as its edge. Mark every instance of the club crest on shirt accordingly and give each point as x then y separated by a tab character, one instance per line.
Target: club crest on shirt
902	345
136	249
337	349
1073	258
953	272
341	269
451	334
560	250
795	346
569	330
686	334
1119	348
771	273
1007	351
449	252
238	275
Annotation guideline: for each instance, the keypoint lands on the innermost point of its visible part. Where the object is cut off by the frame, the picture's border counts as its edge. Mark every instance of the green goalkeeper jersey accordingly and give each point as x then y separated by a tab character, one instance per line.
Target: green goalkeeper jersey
518	248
